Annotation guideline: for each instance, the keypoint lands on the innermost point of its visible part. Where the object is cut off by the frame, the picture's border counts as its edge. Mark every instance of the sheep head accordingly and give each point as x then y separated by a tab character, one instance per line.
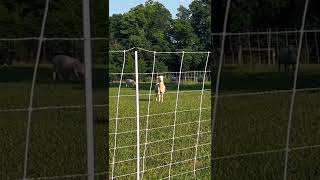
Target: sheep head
160	78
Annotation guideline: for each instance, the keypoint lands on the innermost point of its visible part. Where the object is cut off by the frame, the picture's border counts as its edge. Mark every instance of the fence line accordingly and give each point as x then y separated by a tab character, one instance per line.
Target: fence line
159	154
170	92
167	72
138	113
148	113
106	105
160	127
160	52
51	108
158	141
215	103
52	38
294	91
66	176
265	152
34	77
265	32
159	114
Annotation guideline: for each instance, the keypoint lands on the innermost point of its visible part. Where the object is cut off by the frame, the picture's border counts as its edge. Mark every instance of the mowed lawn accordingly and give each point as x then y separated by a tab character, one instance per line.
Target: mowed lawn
165	121
57	144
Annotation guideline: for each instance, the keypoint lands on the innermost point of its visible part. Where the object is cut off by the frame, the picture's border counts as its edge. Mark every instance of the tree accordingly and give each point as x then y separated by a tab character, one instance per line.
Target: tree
151	26
183	13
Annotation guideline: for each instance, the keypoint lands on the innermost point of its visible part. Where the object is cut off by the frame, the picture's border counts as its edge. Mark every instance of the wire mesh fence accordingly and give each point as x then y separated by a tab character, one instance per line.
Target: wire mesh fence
174	135
47	127
263	116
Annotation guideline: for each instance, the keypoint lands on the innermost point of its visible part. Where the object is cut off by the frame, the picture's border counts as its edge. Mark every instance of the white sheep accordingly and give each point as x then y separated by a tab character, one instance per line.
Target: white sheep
160	88
130	82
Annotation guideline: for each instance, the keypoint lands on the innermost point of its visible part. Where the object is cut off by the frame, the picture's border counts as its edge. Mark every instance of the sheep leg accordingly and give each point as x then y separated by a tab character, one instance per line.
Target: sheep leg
161	97
76	75
60	75
54	75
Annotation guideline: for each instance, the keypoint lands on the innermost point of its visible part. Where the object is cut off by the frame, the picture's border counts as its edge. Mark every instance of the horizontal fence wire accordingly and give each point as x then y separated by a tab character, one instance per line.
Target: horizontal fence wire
222	95
159	141
159	114
160	127
64	176
264	32
168	72
158	52
171	92
148	129
52	39
159	154
52	108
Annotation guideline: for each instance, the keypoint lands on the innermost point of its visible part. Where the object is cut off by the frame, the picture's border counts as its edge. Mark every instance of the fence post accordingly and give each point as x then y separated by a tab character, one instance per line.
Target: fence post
88	89
258	40
307	47
278	49
317	48
287	42
250	51
240	55
138	113
269	46
231	48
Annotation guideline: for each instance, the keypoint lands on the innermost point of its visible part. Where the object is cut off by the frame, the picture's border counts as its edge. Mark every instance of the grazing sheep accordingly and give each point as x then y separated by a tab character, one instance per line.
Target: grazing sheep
174	79
130	82
160	88
66	66
287	57
200	79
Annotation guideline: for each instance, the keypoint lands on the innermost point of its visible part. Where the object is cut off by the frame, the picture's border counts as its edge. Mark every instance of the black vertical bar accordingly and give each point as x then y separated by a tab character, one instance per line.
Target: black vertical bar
216	27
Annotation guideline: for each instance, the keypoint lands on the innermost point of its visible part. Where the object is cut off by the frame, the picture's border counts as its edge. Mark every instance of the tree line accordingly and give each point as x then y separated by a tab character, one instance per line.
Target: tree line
152	26
23	18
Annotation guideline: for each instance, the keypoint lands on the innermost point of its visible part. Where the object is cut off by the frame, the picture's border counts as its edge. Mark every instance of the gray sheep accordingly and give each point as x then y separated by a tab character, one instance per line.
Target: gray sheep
287	56
67	67
130	82
174	79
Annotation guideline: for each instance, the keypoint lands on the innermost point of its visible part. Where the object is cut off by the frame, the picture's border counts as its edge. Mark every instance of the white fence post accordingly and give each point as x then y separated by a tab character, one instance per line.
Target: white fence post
269	47
138	114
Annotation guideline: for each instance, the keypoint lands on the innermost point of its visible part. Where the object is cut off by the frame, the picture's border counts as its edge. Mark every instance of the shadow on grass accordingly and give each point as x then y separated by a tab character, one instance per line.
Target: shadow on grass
267	81
14	74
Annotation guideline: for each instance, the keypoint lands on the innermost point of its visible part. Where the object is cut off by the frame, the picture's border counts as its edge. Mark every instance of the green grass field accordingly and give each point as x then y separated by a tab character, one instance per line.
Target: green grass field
245	124
258	123
160	132
57	136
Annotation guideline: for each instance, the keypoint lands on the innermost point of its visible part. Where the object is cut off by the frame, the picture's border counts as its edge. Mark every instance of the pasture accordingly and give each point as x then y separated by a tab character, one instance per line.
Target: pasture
161	122
57	135
251	129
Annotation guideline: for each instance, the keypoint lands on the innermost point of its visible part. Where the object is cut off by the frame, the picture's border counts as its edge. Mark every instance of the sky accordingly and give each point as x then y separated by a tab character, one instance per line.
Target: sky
122	6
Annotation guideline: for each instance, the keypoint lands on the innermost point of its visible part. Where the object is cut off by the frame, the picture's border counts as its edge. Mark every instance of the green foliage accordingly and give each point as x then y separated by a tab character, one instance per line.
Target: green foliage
23	18
151	26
